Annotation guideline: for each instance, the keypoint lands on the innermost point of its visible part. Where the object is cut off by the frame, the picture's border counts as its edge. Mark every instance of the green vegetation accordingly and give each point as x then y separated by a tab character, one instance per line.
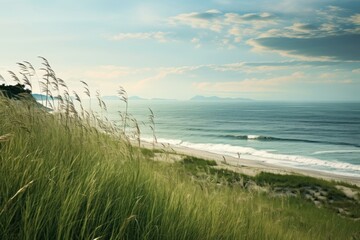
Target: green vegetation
321	192
200	168
71	175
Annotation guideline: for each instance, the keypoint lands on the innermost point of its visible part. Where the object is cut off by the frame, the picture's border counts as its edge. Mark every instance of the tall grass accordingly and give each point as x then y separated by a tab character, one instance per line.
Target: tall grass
63	178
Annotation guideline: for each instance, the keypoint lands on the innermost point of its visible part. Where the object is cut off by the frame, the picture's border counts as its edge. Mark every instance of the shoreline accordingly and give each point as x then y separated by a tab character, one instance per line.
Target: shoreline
248	166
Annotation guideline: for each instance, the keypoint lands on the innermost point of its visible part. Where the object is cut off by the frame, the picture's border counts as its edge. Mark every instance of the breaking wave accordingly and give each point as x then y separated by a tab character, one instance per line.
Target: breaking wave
265	155
268	138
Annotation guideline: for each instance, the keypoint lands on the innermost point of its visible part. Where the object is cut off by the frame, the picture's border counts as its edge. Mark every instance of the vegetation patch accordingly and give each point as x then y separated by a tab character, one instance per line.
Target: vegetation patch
321	192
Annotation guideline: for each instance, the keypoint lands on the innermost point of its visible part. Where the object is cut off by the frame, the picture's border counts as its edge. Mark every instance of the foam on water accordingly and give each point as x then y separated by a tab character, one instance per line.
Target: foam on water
267	156
252	137
337	151
277	139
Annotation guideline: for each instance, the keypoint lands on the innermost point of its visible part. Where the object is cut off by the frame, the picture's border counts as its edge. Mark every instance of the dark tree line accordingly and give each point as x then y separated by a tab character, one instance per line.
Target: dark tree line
17	91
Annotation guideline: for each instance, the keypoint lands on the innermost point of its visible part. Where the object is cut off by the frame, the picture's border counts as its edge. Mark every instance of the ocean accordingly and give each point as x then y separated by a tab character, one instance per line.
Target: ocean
317	136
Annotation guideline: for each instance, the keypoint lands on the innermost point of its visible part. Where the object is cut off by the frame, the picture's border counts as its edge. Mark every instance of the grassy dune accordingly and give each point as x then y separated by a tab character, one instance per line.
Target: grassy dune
73	175
62	179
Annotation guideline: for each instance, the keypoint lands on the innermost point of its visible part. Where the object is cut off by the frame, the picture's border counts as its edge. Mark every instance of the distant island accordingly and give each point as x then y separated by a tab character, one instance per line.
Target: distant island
136	98
195	98
215	98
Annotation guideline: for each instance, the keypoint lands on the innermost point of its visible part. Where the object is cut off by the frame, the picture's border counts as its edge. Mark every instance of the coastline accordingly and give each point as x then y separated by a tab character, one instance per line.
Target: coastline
244	165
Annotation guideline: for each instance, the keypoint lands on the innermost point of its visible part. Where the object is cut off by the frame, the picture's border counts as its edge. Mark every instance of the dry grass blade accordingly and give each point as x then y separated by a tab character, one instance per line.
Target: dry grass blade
123	94
86	87
83	82
26	80
30	66
5	137
46	62
152	125
77	98
45	89
55	84
98	97
124	97
126	223
62	83
13	75
137	131
104	105
22	189
2	79
98	238
23	69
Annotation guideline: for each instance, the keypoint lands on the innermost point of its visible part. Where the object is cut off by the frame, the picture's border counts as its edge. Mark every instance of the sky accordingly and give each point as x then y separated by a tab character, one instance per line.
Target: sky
284	50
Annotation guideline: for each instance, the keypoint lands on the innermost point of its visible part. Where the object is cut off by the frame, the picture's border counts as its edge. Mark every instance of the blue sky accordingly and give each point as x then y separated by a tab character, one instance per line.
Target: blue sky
267	50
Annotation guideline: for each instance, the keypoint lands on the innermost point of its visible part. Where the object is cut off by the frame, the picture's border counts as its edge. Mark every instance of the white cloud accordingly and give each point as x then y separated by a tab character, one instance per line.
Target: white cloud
108	72
158	36
249	85
355	19
216	21
161	73
327	75
231	27
196	41
235	31
254	68
302	27
206	20
256	20
226	43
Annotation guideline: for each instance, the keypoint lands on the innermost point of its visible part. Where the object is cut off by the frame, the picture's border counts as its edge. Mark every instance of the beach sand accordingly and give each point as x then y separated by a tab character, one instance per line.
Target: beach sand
241	165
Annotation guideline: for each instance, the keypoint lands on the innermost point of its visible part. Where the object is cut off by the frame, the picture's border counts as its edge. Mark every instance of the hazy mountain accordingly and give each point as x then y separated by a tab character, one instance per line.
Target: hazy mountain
163	99
137	98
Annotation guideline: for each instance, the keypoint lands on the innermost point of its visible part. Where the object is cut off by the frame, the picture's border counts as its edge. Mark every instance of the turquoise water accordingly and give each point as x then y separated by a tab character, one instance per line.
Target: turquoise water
322	136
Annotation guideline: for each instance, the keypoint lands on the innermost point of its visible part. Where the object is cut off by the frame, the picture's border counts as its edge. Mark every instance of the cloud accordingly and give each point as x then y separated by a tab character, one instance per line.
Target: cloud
206	20
252	67
257	20
336	47
158	36
249	85
355	19
228	28
328	75
161	73
302	27
108	72
268	67
216	21
196	41
236	32
329	34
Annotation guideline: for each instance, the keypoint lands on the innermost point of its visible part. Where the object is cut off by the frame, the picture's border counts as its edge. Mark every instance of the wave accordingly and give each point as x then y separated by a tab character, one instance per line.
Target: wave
264	155
337	151
268	138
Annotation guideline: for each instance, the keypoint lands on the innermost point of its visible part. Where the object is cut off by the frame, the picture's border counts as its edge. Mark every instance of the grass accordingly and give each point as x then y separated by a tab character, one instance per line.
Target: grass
62	178
308	188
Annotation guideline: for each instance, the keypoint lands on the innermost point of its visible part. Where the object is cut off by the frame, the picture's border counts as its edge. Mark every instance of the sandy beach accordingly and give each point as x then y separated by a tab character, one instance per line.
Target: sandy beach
242	165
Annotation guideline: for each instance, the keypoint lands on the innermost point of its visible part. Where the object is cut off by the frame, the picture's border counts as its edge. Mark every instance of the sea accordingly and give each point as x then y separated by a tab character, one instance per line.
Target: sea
316	136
